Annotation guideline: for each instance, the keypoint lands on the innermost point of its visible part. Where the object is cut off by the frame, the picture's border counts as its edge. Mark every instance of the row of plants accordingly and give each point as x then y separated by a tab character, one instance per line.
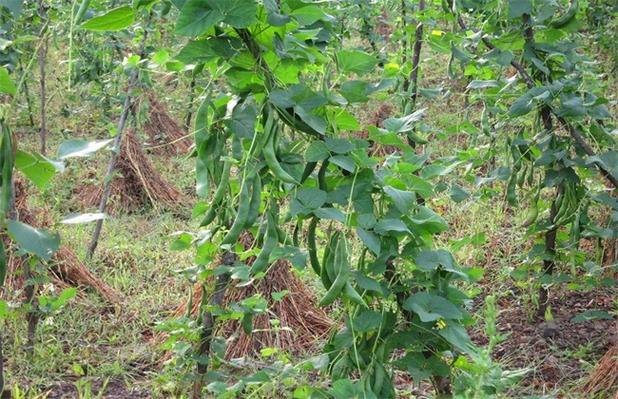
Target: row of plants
278	164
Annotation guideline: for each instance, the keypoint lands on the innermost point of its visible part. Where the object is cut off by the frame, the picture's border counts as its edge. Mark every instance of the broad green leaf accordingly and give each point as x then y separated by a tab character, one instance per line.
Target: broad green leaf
309	15
428	260
367	320
521	106
201	51
279	295
457	336
367	283
385	225
517	8
6	83
370	240
458	194
81	148
355	61
345	389
294	255
609	161
571	106
307	200
4	309
50	304
114	20
338	145
430	221
344	162
430	307
242	122
403	200
419	367
143	3
589	315
330	213
483	84
404	124
198	16
356	91
420	186
605	199
344	120
37	168
14	6
316	151
36	241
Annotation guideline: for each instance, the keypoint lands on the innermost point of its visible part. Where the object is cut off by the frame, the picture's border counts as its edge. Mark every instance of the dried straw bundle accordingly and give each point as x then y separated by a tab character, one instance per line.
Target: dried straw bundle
603	382
65	267
136	183
302	324
166	136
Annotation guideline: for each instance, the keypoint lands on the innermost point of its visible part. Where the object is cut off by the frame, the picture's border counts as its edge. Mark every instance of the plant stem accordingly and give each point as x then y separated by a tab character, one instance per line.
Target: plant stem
32	316
191	98
208	323
550	249
26	92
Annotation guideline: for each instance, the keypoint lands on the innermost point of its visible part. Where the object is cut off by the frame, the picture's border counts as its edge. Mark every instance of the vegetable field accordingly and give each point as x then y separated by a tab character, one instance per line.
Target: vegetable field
308	199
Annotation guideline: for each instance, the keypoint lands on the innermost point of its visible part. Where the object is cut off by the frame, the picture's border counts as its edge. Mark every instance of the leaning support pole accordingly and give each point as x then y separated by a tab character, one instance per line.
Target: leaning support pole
1	369
412	79
111	166
42	77
208	323
416	56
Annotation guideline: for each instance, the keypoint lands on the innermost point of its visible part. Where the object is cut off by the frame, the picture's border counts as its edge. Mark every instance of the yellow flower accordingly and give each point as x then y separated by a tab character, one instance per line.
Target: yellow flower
440	324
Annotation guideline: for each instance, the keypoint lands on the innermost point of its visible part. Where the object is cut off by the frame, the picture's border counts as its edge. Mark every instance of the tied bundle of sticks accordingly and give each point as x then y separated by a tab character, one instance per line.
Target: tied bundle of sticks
136	182
301	323
65	268
165	135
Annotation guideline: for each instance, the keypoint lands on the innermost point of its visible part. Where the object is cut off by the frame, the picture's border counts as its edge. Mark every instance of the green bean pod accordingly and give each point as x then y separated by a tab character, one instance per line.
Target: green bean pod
567	17
270	242
312	248
271	160
309	168
241	216
219	193
256	200
342	268
354	296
